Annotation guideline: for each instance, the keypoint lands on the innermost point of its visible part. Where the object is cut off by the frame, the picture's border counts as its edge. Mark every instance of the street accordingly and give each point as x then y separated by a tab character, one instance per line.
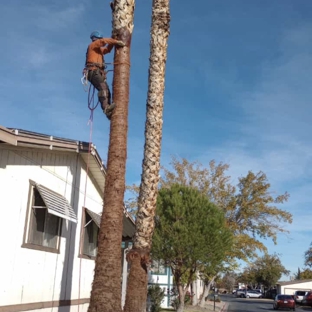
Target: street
254	305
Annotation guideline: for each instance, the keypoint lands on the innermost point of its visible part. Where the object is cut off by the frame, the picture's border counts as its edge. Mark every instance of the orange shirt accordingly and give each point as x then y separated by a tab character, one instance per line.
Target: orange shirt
97	49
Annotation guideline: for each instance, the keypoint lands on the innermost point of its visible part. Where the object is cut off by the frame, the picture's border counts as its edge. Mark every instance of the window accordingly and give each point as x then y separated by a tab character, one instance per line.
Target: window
45	213
90	242
45	227
158	267
91	224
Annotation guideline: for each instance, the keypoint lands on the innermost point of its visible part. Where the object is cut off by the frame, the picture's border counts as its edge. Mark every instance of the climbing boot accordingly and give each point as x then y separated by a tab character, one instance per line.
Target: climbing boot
109	108
109	116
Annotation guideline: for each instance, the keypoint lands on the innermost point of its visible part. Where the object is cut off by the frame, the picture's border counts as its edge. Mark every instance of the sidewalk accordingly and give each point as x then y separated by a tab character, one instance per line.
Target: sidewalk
209	306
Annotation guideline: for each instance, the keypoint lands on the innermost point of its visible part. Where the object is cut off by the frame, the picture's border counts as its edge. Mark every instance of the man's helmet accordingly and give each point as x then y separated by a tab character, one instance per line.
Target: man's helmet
96	34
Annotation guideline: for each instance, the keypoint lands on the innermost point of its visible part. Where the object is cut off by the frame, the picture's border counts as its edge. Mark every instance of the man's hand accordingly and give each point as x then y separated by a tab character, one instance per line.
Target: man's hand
120	43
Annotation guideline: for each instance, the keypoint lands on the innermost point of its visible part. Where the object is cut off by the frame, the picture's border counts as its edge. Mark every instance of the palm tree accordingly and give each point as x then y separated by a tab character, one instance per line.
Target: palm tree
106	287
139	256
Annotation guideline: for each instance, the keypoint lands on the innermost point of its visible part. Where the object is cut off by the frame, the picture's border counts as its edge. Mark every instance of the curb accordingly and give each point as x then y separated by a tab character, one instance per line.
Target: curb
225	307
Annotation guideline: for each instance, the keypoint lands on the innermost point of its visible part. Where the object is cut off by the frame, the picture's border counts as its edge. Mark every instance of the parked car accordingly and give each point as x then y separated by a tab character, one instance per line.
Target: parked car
271	293
252	294
240	293
307	300
284	301
299	295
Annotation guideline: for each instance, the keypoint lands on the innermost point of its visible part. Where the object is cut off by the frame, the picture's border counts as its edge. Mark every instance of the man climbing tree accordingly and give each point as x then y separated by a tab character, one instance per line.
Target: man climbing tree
94	69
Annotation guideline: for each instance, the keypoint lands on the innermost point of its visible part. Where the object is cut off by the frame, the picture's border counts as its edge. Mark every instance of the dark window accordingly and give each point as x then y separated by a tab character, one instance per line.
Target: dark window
282	297
44	228
90	236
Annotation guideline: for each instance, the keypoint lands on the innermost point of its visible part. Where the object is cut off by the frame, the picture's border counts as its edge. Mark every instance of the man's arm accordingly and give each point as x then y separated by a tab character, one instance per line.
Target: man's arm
107	49
102	42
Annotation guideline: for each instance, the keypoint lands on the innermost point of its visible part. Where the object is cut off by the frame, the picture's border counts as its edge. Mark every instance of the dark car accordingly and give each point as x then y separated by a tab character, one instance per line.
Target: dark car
284	301
271	293
307	300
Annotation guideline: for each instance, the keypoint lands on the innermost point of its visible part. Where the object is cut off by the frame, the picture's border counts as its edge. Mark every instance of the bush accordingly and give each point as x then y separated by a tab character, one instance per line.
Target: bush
156	295
176	300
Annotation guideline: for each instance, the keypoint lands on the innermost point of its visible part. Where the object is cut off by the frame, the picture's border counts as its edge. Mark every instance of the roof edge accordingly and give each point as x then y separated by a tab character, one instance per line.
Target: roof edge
24	138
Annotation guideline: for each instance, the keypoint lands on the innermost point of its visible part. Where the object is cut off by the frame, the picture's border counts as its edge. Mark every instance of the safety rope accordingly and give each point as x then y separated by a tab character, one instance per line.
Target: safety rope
119	63
92	106
90	122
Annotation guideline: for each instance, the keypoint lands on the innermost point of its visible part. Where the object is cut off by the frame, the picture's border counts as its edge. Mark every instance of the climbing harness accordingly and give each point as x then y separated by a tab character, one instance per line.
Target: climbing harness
84	81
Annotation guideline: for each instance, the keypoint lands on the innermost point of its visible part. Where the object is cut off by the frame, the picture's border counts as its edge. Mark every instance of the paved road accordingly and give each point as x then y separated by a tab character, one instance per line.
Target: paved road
253	305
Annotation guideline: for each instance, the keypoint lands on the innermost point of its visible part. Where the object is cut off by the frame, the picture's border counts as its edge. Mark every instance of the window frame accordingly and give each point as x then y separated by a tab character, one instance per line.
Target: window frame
29	223
82	236
158	264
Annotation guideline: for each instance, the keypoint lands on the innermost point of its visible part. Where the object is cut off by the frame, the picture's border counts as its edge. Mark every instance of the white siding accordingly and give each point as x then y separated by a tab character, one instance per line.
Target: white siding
27	275
165	281
290	289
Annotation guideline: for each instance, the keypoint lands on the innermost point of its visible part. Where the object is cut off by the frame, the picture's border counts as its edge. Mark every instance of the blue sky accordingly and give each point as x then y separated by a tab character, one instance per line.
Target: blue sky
238	88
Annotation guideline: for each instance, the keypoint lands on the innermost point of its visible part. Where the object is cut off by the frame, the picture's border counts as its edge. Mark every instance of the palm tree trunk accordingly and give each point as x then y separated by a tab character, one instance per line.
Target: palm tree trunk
106	287
140	253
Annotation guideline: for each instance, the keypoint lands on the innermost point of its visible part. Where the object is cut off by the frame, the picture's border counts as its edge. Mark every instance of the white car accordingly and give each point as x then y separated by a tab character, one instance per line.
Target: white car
253	294
299	295
240	293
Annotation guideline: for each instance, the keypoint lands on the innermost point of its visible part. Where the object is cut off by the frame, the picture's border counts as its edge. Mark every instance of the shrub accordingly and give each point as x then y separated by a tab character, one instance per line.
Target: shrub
156	295
176	300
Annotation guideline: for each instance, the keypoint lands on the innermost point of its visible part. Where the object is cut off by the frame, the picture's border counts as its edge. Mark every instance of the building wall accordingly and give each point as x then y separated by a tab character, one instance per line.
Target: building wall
165	281
290	289
27	275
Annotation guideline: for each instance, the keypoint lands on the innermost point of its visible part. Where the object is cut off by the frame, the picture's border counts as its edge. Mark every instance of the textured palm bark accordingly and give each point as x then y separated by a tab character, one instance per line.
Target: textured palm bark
137	280
106	287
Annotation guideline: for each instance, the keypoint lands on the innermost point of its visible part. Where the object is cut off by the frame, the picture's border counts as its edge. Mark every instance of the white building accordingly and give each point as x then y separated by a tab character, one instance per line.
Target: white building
161	275
51	197
289	288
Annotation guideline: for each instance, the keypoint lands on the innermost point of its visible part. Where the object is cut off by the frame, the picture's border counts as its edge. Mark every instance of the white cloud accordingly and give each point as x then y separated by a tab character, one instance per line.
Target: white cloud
281	101
275	133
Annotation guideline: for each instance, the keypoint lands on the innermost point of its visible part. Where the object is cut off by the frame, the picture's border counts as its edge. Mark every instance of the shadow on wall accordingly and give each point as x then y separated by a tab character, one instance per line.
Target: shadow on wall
70	233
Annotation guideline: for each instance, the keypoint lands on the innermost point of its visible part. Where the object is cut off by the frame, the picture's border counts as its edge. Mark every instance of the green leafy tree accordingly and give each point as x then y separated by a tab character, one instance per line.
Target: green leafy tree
248	276
228	281
306	274
210	274
308	257
298	274
267	270
251	211
190	232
